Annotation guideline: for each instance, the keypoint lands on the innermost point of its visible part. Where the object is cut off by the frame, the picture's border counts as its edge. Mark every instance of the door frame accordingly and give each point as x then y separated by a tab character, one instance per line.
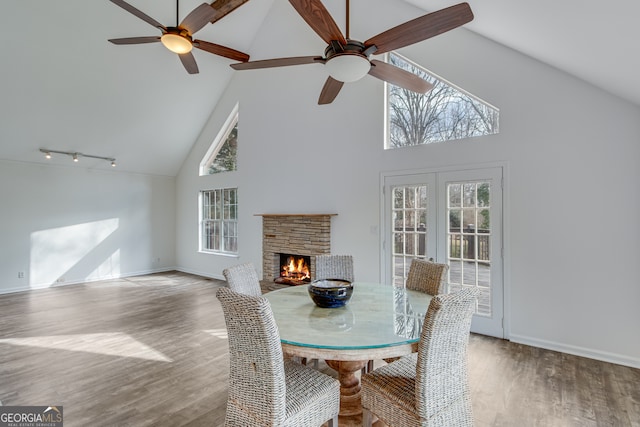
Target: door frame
506	221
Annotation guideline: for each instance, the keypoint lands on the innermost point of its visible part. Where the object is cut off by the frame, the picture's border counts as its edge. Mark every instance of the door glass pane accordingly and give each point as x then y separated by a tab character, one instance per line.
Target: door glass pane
455	198
409	216
468	239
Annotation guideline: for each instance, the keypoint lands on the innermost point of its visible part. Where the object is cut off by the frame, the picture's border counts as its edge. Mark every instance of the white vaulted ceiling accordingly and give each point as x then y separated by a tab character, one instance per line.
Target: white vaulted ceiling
64	87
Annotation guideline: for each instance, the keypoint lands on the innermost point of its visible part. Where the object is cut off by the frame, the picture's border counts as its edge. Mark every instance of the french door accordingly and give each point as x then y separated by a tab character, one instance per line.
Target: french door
452	217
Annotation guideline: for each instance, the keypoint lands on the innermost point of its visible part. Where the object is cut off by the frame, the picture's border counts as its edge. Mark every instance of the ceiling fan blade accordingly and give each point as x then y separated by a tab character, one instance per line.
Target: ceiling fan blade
136	40
224	7
126	6
217	49
319	19
198	18
279	62
422	28
399	77
330	90
189	63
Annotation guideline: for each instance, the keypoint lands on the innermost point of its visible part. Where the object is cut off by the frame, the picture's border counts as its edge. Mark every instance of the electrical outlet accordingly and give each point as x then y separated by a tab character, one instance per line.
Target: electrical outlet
20	274
60	280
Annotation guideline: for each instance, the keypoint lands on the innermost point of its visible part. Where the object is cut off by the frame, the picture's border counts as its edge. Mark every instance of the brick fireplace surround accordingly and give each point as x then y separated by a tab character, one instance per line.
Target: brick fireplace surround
297	234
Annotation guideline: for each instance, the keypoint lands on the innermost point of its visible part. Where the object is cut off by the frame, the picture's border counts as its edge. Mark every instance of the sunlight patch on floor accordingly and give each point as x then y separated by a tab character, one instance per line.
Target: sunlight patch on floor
218	333
108	344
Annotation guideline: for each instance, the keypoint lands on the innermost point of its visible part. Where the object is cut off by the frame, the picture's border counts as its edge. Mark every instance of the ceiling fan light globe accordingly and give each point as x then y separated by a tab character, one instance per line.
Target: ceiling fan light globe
348	67
176	43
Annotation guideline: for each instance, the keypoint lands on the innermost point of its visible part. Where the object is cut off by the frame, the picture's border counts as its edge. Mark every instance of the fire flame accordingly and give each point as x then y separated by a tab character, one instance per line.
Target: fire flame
296	268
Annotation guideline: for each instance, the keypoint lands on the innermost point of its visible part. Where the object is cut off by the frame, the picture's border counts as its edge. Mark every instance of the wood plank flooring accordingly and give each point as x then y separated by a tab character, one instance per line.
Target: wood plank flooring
152	351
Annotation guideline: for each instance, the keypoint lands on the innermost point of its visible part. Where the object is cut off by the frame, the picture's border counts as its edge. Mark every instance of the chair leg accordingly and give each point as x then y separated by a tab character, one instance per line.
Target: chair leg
333	422
367	368
367	418
306	362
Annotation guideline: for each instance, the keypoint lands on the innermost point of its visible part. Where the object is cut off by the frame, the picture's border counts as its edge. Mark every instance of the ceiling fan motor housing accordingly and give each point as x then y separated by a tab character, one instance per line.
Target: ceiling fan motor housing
353	47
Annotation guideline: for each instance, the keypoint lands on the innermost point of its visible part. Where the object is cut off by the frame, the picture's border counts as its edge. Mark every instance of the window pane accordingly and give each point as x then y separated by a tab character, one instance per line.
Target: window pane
398	220
454	246
421	197
454	219
484	225
442	114
398	198
455	195
398	243
483	194
469	195
410	198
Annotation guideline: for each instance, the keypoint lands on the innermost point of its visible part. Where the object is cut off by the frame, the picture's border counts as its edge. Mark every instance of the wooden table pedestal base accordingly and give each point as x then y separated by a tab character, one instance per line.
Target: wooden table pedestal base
350	399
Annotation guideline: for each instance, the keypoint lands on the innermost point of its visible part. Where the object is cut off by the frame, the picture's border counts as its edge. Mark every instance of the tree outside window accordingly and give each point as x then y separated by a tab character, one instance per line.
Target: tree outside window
225	160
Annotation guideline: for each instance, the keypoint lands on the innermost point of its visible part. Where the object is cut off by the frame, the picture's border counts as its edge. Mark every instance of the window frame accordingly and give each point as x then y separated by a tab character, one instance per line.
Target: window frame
224	224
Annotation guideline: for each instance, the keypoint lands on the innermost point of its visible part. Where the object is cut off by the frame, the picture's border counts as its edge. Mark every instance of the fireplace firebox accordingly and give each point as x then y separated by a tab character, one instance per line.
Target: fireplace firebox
294	269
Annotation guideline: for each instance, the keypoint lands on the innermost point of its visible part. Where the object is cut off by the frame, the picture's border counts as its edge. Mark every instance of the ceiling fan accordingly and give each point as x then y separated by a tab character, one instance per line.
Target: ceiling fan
348	60
179	39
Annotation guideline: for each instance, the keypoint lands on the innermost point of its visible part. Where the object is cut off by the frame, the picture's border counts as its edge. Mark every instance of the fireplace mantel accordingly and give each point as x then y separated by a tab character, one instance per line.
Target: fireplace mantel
306	234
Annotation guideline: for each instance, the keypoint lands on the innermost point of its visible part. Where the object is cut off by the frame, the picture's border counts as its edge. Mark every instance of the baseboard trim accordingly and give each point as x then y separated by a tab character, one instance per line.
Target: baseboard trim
200	273
41	286
618	359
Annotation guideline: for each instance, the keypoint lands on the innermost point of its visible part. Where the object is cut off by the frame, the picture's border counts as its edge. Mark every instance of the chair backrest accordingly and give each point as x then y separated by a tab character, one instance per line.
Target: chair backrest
441	371
334	267
243	278
256	377
427	276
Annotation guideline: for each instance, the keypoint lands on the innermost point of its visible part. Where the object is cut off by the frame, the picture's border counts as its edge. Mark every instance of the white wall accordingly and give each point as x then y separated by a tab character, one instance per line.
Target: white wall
62	225
572	152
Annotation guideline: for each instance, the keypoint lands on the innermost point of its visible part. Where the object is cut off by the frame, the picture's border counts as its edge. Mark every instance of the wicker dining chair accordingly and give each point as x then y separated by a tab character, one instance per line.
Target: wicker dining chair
430	387
264	389
334	267
424	276
427	276
243	278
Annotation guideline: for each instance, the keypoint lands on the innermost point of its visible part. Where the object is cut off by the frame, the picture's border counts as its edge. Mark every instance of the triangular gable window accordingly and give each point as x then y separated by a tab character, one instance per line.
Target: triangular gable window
222	155
444	113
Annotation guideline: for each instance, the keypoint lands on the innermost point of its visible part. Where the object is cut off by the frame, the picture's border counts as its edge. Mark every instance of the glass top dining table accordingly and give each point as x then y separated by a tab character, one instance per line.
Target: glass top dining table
377	316
379	321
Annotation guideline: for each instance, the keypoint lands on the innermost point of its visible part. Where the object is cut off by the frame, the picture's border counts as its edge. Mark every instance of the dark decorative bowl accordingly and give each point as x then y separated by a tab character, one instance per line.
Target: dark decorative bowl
330	293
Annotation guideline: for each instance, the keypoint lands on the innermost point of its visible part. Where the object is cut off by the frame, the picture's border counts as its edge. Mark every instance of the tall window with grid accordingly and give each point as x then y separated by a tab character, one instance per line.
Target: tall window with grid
409	215
219	220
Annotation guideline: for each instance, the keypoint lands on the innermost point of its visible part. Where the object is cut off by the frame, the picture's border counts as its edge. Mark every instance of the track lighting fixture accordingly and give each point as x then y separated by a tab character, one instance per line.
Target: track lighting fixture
76	156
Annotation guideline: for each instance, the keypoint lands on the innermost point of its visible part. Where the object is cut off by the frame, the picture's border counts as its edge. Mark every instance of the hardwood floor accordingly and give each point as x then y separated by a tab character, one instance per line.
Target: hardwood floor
152	351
